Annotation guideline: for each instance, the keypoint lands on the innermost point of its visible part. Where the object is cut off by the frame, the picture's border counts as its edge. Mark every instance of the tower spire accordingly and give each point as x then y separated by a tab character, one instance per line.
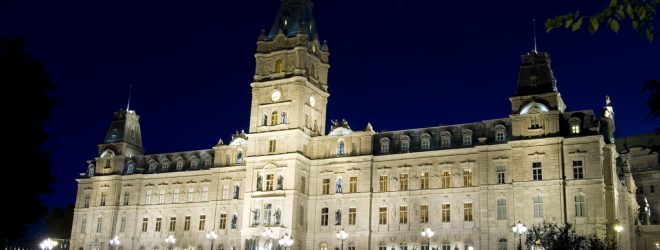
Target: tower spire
128	105
534	28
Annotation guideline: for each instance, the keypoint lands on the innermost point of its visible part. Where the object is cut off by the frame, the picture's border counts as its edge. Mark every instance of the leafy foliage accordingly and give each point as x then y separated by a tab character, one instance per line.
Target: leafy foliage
59	222
642	15
552	236
653	87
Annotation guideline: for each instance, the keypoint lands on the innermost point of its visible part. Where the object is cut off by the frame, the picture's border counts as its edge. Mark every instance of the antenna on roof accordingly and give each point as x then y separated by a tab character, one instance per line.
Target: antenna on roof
128	106
534	27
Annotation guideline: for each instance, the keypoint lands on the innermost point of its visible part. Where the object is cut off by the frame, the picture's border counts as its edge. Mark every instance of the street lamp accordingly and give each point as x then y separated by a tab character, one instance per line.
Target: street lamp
286	241
520	229
268	235
428	233
618	229
114	242
342	235
211	236
170	240
48	244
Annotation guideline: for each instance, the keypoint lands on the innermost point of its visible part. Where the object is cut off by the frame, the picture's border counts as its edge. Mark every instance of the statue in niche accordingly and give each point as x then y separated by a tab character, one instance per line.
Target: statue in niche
235	191
255	220
234	219
278	216
340	184
280	179
338	217
259	183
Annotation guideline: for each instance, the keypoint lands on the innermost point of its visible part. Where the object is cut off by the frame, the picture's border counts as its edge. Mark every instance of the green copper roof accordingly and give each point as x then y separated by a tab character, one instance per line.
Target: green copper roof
293	14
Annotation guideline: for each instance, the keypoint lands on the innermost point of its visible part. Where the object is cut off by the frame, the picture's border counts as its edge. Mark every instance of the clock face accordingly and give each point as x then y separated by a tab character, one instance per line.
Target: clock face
276	95
312	101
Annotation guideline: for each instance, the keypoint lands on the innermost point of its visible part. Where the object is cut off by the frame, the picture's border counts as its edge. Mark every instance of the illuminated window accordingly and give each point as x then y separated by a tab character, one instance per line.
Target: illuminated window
424	214
186	224
270	179
467	178
272	145
446	213
326	186
273	118
578	170
424	180
324	216
501	209
384	145
405	143
403	182
382	181
202	223
501	174
279	66
382	216
353	184
580	207
467	211
446	179
145	224
445	139
537	172
426	141
159	221
223	221
575	125
538	206
172	224
575	129
403	214
352	215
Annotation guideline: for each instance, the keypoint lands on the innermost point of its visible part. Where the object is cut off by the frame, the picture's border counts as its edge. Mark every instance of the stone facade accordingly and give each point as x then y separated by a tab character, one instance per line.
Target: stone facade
468	182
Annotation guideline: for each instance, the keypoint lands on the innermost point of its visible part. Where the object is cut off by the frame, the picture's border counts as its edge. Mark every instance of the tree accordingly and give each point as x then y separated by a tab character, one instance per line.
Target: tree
642	15
552	236
59	222
26	166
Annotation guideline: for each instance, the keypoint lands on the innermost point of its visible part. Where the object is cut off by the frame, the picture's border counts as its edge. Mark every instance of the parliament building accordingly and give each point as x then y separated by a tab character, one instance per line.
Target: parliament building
289	175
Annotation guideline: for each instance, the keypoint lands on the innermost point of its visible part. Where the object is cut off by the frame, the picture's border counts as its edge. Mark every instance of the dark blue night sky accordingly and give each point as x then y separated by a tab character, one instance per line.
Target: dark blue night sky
398	64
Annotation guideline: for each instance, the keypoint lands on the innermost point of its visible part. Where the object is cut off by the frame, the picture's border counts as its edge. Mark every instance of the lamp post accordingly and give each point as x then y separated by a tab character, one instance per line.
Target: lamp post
212	236
286	241
519	229
618	228
48	244
114	242
342	235
428	233
170	240
268	235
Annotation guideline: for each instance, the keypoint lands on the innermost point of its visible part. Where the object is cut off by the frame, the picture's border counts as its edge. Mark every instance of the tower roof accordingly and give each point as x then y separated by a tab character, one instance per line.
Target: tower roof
124	128
535	75
290	18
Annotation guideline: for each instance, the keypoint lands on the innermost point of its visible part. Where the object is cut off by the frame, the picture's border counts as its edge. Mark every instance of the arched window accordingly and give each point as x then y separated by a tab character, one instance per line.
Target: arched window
165	165
384	145
273	118
575	125
284	117
580	205
500	133
340	185
208	160
324	246
130	168
239	157
341	148
194	162
467	137
426	141
179	164
405	143
445	139
279	66
502	244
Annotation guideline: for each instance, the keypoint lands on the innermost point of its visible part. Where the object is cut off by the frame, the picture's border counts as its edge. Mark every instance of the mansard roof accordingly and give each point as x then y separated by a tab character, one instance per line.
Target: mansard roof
294	16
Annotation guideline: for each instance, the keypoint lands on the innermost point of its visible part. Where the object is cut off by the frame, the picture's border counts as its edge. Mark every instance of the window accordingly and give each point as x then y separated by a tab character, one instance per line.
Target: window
403	182
382	216
578	170
341	148
194	163
122	224
502	244
303	182
382	181
145	224
501	174
352	215
175	195
353	184
83	225
351	246
467	178
403	214
273	118
339	185
403	246
424	180
225	192
172	224
326	186
652	189
538	206
446	246
405	144
147	197
152	166
272	146
267	213
103	199
189	198
537	172
324	216
467	211
501	209
500	134
426	141
324	246
186	224
86	202
202	222
384	145
467	137
534	122
446	179
279	66
131	167
382	247
580	207
159	221
99	225
223	221
126	196
575	125
424	214
270	179
445	139
446	215
161	196
179	164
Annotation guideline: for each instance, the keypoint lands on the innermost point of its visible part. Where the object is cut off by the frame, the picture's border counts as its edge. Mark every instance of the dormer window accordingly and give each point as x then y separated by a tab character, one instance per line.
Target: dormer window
426	141
208	161
445	139
405	143
90	170
130	168
194	163
467	137
384	145
500	133
179	164
165	165
152	166
575	125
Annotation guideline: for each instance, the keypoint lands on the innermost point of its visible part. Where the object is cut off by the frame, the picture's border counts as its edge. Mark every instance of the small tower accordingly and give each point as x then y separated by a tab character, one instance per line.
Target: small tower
123	140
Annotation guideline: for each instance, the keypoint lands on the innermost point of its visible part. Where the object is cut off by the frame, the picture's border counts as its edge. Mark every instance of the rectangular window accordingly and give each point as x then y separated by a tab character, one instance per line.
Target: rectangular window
501	174
426	143
223	221
175	196
270	178
446	247
537	172
467	211
499	136
424	214
575	129
161	197
272	146
403	247
99	225
445	141
159	221
202	223
382	216
326	186
103	199
403	182
186	224
538	206
446	179
83	225
467	178
122	224
324	216
382	183
352	215
578	170
652	189
353	184
403	214
172	224
580	208
303	184
351	247
424	180
147	197
501	209
205	194
467	140
225	192
145	224
446	215
190	194
126	198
